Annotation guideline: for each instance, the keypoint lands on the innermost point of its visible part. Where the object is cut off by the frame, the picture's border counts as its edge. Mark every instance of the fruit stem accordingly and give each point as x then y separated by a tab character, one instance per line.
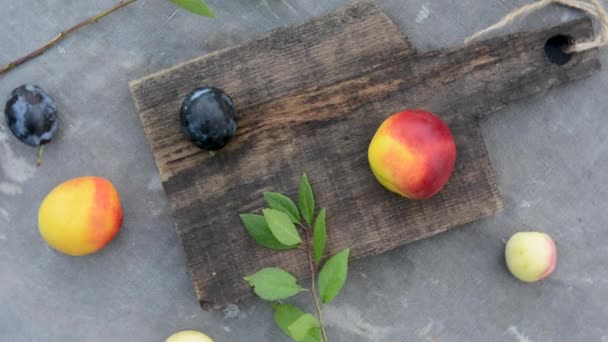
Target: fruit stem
313	286
40	151
62	36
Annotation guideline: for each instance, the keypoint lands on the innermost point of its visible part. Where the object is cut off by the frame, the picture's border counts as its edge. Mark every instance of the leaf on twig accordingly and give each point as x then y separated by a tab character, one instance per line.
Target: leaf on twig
319	236
273	283
195	6
300	326
283	203
258	229
306	200
281	227
333	276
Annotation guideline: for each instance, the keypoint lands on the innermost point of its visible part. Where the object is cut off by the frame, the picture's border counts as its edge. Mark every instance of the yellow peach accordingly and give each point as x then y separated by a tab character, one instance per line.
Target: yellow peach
189	336
80	216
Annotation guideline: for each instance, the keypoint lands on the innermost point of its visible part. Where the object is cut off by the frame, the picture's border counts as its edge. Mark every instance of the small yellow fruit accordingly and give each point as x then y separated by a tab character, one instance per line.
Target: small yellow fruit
530	256
80	216
189	336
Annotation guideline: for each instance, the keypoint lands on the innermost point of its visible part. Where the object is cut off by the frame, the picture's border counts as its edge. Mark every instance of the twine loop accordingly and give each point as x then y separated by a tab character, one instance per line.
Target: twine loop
592	7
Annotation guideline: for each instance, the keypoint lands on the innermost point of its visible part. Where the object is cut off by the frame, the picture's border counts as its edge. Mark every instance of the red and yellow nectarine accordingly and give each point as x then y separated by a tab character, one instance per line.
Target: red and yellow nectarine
80	216
413	154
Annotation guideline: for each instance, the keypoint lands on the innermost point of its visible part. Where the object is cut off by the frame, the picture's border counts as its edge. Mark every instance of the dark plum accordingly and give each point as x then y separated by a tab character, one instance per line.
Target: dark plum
31	115
208	118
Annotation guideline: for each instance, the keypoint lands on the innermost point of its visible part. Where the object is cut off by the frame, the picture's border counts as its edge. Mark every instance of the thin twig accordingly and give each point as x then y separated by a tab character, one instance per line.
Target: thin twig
40	151
313	287
62	36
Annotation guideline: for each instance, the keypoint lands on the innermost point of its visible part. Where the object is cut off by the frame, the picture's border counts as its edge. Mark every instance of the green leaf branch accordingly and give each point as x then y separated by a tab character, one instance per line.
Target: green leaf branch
195	6
280	228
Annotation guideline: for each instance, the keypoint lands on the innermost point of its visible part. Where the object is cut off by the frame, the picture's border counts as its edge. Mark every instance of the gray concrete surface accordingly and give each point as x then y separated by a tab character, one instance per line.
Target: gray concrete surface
550	155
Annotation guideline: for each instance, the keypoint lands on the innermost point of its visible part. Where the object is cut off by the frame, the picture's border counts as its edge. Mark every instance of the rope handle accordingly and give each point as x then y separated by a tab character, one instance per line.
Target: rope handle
592	7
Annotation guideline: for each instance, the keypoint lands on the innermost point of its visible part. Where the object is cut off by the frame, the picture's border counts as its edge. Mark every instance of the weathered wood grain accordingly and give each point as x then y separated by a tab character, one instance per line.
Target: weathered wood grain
310	98
321	52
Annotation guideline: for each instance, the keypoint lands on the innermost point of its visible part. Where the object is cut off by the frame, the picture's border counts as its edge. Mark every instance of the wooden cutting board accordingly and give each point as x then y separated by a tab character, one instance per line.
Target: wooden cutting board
310	98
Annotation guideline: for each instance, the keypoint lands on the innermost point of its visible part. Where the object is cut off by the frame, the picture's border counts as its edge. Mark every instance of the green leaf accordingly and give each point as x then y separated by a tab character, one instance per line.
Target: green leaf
306	200
195	6
332	276
258	229
319	236
281	227
314	335
303	327
283	203
300	326
285	315
274	284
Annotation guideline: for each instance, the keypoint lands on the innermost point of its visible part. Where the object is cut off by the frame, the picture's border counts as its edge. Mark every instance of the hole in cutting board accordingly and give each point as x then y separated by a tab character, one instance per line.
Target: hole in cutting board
554	49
